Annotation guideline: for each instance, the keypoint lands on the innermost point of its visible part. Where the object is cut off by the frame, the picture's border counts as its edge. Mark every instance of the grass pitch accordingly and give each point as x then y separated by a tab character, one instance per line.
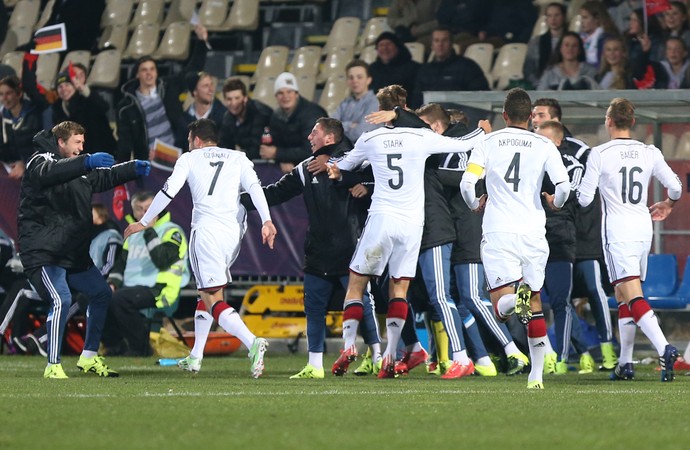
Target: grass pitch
152	407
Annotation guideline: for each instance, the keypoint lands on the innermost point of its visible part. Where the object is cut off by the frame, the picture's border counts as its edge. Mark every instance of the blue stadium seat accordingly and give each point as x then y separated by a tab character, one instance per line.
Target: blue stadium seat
679	299
662	275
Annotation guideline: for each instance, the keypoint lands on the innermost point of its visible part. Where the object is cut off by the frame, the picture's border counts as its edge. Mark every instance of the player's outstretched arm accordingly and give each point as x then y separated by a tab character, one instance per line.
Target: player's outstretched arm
661	210
268	233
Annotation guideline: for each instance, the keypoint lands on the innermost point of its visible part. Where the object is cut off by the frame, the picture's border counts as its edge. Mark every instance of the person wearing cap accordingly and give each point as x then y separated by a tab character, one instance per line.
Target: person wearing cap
244	121
290	124
205	105
151	108
91	111
393	65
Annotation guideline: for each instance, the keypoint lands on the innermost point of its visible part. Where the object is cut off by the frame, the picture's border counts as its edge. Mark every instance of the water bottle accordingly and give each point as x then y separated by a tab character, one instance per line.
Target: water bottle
165	362
266	138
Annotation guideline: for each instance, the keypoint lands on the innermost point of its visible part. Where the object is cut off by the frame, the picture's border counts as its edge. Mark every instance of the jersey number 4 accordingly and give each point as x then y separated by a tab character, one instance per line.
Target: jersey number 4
395	185
512	175
218	165
631	190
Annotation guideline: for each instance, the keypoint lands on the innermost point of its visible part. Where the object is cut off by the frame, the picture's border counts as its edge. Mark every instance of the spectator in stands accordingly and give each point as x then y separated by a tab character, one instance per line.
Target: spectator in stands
202	87
393	65
615	71
151	107
89	110
511	21
290	124
465	18
676	64
447	71
151	271
541	48
596	26
676	22
21	121
568	69
361	101
244	121
645	50
413	20
6	71
620	10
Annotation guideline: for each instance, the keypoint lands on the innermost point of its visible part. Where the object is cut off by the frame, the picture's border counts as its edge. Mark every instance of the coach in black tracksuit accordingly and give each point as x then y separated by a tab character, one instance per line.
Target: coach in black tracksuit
55	223
335	224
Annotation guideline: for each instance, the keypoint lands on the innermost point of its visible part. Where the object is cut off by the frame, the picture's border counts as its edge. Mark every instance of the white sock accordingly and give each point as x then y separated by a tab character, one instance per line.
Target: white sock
316	359
686	355
626	330
461	357
484	361
537	350
88	353
506	305
203	321
650	327
511	348
376	352
417	346
350	332
394	326
231	322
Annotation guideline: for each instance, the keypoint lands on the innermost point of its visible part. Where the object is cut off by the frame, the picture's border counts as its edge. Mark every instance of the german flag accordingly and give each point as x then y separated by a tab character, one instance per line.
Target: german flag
50	39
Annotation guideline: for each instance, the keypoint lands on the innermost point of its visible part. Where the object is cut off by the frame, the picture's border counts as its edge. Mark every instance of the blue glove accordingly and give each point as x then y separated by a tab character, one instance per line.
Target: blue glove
142	167
100	159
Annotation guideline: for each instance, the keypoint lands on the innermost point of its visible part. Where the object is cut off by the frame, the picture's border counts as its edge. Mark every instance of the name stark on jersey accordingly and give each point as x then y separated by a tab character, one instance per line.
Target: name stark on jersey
393	143
515	142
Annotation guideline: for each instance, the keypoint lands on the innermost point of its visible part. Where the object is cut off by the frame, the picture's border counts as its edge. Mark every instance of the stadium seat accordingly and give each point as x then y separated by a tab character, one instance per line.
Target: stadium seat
105	71
575	24
368	54
212	14
334	92
47	69
77	56
14	60
335	63
540	26
417	50
508	64
306	60
662	275
45	15
179	11
175	42
114	36
25	14
10	44
272	62
372	28
307	85
117	12
244	16
263	91
683	147
343	33
483	54
144	41
679	299
148	11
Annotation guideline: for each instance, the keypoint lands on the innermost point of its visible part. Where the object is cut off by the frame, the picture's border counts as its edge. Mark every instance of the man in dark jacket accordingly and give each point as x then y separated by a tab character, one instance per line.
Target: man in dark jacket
151	107
244	121
55	220
393	65
447	71
202	88
290	124
334	227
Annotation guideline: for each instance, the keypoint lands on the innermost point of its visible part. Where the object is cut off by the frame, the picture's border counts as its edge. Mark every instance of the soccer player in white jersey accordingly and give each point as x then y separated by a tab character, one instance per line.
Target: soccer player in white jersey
622	170
514	246
215	176
393	232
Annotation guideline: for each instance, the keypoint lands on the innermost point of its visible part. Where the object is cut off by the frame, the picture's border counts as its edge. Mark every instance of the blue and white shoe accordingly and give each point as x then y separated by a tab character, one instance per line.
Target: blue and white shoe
666	362
623	373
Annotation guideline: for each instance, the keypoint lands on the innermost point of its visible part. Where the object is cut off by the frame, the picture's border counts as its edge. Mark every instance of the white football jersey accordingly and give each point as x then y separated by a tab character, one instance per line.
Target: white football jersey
622	170
397	157
514	162
216	176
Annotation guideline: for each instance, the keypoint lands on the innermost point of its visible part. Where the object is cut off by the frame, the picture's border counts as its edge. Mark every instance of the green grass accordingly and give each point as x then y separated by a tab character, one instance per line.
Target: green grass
222	407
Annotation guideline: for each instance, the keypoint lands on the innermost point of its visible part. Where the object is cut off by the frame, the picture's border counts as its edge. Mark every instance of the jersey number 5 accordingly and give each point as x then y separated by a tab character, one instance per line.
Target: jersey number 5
631	190
218	165
395	185
512	175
